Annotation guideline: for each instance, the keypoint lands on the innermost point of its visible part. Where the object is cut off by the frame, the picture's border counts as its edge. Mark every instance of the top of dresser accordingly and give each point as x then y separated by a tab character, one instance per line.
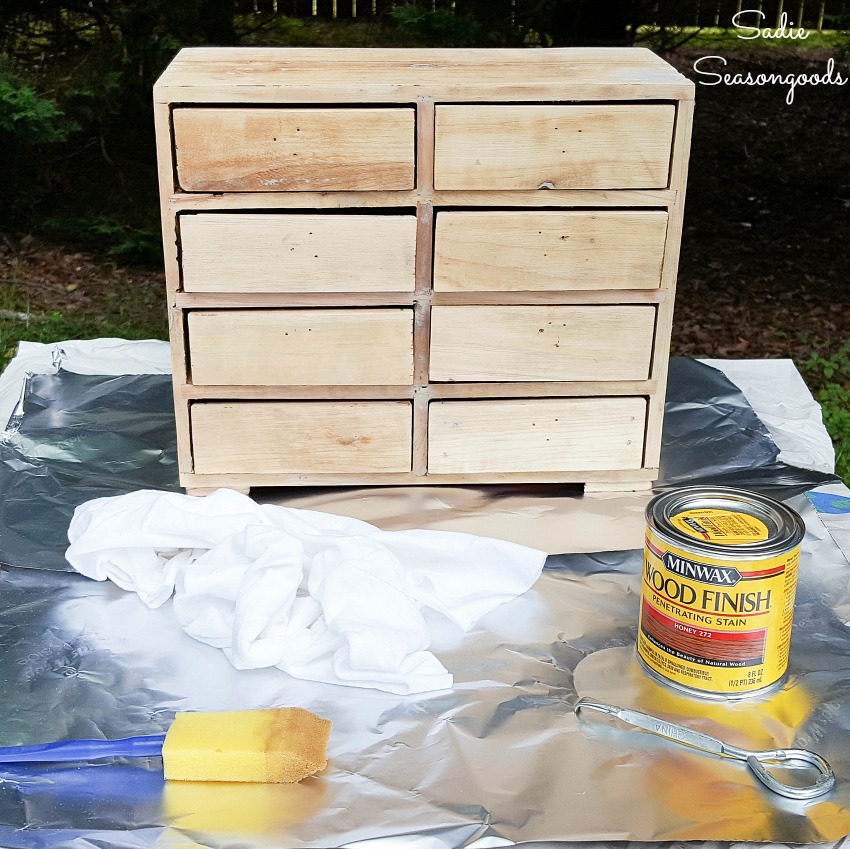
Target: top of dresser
331	75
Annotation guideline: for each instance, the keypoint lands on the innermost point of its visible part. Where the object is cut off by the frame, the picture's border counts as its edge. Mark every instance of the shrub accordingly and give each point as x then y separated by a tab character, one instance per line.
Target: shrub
829	378
436	26
26	116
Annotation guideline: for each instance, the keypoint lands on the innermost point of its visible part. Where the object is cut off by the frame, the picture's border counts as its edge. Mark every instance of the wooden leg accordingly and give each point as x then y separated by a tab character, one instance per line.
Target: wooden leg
207	490
616	486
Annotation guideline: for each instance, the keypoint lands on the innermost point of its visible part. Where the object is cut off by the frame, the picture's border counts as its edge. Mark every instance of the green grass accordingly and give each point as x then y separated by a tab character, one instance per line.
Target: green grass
107	235
828	376
133	314
722	38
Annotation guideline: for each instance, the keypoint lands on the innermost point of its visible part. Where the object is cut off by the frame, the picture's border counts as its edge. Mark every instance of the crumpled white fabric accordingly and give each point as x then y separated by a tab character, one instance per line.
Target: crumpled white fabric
322	597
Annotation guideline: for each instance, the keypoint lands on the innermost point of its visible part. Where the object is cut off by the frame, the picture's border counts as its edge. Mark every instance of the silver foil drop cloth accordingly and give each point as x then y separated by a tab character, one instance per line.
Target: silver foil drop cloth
499	759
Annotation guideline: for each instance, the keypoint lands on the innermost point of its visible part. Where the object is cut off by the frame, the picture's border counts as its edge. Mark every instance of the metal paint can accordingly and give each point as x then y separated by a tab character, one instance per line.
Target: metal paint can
718	585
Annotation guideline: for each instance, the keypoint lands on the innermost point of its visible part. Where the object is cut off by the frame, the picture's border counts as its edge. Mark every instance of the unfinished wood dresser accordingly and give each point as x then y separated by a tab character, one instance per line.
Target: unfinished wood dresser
420	266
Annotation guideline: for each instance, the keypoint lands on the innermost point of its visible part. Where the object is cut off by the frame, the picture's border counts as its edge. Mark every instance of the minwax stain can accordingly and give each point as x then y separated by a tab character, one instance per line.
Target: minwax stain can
718	585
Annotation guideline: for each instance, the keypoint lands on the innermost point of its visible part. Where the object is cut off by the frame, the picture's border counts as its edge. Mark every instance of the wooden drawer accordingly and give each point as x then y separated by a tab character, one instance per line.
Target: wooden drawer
558	147
369	284
528	250
283	437
245	252
536	435
293	150
301	347
556	343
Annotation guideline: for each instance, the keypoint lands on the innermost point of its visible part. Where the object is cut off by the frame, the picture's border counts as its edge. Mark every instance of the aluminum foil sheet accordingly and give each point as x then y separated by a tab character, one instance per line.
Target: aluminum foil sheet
74	437
497	760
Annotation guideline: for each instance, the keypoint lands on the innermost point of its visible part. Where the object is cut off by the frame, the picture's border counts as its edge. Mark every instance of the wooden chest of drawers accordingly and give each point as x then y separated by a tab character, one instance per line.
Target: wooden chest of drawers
420	266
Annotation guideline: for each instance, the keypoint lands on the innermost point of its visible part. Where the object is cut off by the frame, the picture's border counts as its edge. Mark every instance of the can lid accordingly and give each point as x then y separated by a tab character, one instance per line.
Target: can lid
710	519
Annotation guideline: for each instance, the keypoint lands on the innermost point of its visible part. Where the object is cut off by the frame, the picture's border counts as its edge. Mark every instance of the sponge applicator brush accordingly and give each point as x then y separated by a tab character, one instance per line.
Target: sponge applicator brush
277	745
274	746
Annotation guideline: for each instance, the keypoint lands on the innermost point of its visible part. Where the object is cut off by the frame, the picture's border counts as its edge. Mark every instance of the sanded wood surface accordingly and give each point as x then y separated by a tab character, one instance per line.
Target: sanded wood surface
554	147
395	267
606	480
319	75
276	201
301	347
266	253
548	250
244	150
536	435
679	175
255	437
494	343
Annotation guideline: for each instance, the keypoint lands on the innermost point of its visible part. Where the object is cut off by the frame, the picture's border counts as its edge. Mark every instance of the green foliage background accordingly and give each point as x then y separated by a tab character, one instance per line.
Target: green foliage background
76	122
76	128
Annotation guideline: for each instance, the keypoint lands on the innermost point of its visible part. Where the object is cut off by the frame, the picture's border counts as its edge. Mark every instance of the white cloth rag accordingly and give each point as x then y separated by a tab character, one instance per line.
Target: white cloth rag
322	597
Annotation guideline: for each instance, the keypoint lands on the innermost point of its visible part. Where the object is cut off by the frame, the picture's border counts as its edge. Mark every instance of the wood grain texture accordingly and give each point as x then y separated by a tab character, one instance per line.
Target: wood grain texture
395	267
229	300
539	435
322	75
243	150
661	355
301	347
258	438
553	147
548	250
593	480
487	343
268	253
377	200
171	262
433	391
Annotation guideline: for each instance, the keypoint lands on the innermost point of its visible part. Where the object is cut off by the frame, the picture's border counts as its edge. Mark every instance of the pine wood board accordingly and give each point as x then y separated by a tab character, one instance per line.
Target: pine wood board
288	149
510	250
301	347
312	437
530	146
282	253
322	75
536	435
530	343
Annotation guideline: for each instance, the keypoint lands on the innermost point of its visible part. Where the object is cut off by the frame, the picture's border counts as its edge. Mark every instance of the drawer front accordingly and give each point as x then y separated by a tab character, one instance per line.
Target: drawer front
294	150
255	437
536	435
556	147
301	347
548	251
557	343
244	252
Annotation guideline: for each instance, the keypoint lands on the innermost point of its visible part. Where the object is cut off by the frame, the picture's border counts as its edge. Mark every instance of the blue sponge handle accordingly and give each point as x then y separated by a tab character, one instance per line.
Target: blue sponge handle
68	751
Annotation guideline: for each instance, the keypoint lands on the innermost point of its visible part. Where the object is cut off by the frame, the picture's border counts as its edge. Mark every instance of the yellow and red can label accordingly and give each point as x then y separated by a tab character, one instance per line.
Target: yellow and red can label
716	625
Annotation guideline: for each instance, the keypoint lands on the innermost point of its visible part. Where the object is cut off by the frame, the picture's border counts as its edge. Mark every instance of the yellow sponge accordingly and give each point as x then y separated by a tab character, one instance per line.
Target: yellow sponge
279	745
